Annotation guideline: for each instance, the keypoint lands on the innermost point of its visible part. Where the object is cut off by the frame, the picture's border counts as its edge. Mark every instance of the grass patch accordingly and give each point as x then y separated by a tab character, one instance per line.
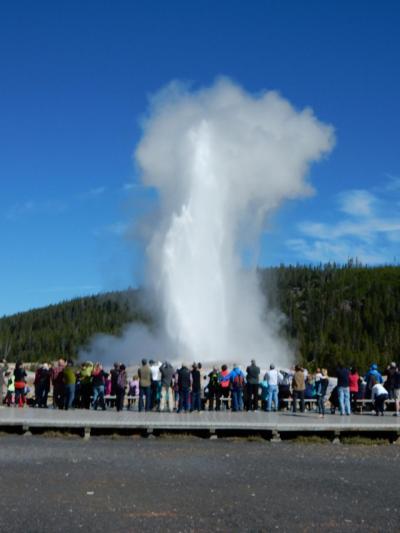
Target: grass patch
309	439
358	440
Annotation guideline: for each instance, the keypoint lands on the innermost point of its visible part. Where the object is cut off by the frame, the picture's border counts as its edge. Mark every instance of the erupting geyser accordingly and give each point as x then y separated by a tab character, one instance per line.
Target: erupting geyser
221	160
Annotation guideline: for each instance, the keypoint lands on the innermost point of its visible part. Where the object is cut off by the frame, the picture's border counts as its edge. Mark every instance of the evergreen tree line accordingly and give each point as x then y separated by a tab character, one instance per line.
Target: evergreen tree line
329	313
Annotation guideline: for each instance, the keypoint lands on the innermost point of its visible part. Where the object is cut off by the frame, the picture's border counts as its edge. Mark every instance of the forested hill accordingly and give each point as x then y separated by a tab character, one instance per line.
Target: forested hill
350	313
60	330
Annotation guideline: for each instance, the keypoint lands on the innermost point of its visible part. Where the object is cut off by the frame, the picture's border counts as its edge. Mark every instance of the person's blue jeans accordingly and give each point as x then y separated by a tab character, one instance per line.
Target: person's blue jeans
196	401
98	397
237	400
344	400
69	397
183	400
272	397
145	392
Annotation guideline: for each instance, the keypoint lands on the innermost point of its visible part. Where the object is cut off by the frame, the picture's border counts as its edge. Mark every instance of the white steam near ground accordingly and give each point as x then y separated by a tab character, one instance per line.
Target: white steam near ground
222	161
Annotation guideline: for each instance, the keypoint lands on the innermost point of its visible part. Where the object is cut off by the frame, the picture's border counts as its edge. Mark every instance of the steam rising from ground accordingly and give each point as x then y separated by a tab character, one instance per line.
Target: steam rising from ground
222	160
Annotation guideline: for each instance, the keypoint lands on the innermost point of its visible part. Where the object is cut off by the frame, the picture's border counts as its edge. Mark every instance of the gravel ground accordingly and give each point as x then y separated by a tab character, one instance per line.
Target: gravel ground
190	484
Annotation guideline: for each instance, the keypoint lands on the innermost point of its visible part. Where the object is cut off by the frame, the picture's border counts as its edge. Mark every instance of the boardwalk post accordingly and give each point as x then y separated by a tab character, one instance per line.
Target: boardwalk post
26	431
276	437
212	434
336	438
86	433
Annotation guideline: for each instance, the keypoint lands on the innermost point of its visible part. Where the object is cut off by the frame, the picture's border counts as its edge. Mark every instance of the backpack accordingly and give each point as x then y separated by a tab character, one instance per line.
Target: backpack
121	380
238	381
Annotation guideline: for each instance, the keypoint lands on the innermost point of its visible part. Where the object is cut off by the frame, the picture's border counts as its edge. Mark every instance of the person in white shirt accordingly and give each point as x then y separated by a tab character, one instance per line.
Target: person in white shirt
272	376
379	394
155	384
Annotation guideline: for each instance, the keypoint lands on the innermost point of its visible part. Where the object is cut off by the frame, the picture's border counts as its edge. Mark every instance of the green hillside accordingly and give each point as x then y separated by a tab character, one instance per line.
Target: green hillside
332	312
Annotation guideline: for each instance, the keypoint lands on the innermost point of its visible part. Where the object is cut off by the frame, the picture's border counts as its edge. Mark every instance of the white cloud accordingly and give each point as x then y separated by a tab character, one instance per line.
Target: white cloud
357	202
369	231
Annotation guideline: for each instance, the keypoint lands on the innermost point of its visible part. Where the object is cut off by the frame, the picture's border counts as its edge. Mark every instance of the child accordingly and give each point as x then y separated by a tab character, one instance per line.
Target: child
133	391
10	388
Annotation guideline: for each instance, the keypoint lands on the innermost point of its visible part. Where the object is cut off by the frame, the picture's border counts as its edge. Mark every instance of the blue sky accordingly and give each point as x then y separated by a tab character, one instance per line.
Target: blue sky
75	78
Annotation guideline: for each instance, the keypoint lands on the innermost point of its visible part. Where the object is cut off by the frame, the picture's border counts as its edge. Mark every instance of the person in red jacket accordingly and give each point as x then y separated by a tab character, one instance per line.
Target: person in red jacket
354	379
224	386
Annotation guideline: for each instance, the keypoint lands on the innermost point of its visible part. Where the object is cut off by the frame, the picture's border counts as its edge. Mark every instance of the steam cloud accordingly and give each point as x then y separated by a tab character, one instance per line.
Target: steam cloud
222	160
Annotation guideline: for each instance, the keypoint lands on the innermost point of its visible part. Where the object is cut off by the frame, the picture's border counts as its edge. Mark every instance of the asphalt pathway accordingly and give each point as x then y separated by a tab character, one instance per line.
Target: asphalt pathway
190	484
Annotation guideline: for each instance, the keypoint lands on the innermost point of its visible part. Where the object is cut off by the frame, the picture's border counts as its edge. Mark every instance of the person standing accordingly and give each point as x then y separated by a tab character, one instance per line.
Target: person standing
57	379
184	388
320	391
98	383
144	374
196	389
252	379
155	384
273	377
212	389
3	370
167	395
354	379
114	378
396	391
298	387
121	387
42	385
237	381
19	383
343	385
69	376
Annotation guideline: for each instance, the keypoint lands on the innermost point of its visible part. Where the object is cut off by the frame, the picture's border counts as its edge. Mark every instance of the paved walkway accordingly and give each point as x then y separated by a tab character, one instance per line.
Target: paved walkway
209	421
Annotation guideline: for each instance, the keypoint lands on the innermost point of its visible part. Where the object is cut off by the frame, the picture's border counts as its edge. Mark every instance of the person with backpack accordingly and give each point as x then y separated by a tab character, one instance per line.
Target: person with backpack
237	381
224	387
212	388
273	376
121	388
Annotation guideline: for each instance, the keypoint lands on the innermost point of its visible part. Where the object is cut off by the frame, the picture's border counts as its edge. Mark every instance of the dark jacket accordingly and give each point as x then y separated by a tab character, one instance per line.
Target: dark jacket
184	378
253	374
167	373
343	377
99	378
196	381
321	386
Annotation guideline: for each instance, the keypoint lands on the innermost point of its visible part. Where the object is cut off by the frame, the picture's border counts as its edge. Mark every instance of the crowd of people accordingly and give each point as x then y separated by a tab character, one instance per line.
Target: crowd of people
157	386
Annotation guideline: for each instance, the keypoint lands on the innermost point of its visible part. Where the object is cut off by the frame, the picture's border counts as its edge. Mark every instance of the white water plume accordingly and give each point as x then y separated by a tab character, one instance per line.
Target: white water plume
221	160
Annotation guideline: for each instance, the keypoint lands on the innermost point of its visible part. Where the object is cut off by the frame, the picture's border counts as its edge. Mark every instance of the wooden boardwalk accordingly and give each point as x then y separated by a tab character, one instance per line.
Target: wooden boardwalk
270	425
